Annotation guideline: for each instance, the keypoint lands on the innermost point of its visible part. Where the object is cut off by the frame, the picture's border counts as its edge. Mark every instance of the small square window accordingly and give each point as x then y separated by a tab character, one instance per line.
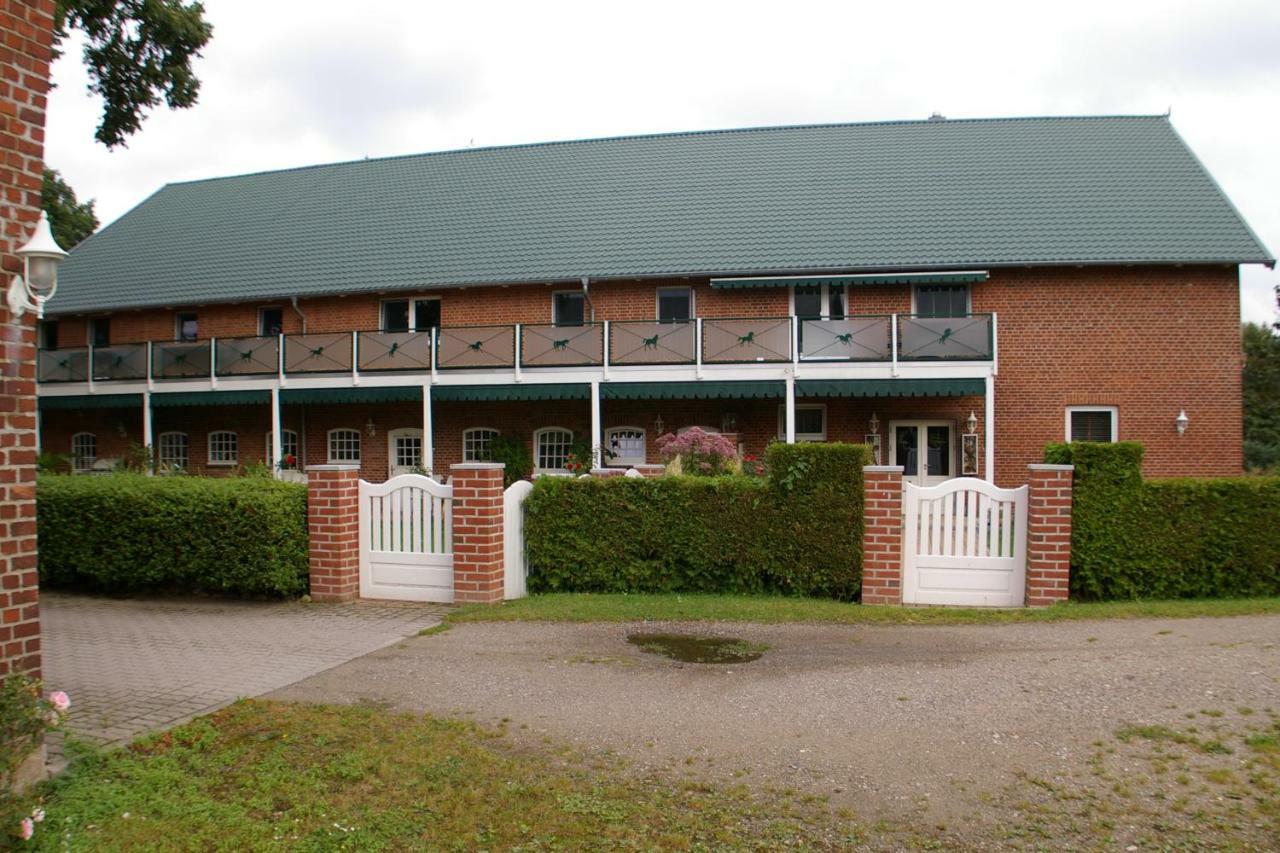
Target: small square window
1092	423
675	304
224	448
426	314
185	327
270	322
568	309
811	423
344	445
395	315
477	444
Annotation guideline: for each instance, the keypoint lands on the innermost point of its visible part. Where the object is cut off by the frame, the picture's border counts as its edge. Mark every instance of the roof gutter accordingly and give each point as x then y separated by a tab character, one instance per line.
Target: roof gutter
586	294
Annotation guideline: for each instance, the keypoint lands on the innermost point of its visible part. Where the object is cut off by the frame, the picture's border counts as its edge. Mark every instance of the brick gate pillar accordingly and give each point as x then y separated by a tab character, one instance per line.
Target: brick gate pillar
882	534
478	549
333	531
1049	534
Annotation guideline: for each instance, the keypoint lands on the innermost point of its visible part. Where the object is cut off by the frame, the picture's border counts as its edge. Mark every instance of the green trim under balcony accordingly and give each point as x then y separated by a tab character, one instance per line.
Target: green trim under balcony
90	401
968	277
890	387
531	391
693	390
210	398
396	394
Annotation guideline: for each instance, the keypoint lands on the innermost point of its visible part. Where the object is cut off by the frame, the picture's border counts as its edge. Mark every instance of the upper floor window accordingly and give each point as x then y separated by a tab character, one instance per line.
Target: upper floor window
344	445
288	446
224	448
625	445
47	334
675	304
811	422
270	322
84	451
551	448
477	444
174	450
185	326
818	301
942	300
410	315
100	332
568	308
1093	423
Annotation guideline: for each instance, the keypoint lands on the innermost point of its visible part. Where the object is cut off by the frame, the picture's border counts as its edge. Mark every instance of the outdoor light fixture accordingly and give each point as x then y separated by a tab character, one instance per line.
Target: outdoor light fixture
874	423
371	428
729	423
1181	422
658	425
972	423
41	256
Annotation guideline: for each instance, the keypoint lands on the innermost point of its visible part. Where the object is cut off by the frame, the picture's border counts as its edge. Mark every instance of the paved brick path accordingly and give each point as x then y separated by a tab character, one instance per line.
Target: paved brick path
132	666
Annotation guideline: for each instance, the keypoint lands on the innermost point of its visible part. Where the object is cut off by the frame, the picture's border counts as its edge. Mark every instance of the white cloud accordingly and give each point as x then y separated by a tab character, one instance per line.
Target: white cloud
287	85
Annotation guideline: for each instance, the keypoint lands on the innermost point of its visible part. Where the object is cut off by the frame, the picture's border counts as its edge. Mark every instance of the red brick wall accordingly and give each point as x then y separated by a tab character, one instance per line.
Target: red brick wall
26	37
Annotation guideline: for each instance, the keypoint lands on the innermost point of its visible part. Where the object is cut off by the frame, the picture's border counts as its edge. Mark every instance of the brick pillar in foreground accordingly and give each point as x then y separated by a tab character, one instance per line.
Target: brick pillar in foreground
1049	534
882	534
333	530
477	532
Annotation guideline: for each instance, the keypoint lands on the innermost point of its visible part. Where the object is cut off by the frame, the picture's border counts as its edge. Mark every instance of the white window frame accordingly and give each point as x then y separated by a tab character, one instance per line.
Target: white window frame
265	308
555	320
803	436
221	461
82	463
328	443
968	295
538	435
825	297
1115	419
413	310
162	457
626	461
466	433
657	302
284	446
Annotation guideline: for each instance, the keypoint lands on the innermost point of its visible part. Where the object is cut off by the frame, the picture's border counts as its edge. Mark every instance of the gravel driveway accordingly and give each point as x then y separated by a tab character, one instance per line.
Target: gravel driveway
886	720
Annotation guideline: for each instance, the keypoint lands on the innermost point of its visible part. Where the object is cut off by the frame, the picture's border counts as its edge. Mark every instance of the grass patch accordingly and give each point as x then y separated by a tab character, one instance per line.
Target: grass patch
586	607
266	775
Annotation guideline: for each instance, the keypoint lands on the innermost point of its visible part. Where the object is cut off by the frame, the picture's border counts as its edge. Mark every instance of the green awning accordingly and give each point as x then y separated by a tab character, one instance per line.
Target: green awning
397	394
531	391
890	387
210	398
90	401
967	277
693	390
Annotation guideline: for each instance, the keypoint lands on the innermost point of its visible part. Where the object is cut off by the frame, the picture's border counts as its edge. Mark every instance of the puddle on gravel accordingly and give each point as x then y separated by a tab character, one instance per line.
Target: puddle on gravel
683	647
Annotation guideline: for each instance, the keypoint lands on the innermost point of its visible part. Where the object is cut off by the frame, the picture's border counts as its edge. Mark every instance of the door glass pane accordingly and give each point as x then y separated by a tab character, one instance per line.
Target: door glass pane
674	305
426	314
100	332
809	301
270	321
395	316
906	449
939	439
408	451
835	302
568	309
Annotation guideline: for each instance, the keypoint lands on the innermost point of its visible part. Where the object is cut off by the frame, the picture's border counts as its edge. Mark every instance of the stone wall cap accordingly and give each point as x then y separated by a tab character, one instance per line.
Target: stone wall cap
1044	466
882	469
333	467
477	466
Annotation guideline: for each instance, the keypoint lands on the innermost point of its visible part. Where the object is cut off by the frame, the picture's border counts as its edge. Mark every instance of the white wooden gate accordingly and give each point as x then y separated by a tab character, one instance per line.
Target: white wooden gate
515	565
965	543
406	539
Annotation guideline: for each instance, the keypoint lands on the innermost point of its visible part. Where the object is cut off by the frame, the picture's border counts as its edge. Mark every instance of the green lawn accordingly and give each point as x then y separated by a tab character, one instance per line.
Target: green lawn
582	607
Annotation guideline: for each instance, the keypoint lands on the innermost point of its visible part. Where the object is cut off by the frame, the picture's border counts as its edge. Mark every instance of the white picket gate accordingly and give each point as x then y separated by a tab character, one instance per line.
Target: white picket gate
965	543
406	539
515	564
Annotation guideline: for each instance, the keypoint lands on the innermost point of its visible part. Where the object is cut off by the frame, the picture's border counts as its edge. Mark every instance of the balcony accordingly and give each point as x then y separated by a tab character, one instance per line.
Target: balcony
890	338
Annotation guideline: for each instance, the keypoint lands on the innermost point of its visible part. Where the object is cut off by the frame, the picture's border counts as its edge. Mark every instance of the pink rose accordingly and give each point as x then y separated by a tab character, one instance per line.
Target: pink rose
60	700
28	829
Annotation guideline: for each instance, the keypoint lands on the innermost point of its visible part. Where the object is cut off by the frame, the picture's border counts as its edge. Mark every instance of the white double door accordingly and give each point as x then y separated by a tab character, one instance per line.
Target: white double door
925	449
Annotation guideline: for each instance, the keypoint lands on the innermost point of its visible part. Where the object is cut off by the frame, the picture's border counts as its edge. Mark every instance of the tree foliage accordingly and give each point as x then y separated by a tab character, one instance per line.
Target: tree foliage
138	53
70	219
1261	396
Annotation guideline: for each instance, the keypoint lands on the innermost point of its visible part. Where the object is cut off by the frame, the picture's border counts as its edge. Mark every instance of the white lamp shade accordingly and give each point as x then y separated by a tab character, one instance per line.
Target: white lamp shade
42	255
42	275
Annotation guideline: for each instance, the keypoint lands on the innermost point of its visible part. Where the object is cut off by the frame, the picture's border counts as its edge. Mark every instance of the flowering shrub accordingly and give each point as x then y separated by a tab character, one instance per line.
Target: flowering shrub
25	716
752	466
697	452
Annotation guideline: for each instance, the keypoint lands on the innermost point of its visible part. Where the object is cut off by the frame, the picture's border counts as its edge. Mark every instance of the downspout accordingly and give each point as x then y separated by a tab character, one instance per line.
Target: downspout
298	311
586	295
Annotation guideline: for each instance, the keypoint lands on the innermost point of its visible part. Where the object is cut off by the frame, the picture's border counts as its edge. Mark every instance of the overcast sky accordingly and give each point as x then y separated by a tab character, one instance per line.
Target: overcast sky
342	81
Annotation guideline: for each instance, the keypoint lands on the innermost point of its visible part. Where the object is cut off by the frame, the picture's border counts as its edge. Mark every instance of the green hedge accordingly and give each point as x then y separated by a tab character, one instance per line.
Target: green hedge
129	533
797	532
1177	538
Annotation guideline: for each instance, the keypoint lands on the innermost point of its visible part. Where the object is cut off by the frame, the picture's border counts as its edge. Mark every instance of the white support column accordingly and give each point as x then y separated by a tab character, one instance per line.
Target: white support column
150	367
791	410
519	343
989	430
597	444
147	440
697	347
280	356
995	345
605	350
355	357
277	446
893	344
428	438
213	362
435	352
795	339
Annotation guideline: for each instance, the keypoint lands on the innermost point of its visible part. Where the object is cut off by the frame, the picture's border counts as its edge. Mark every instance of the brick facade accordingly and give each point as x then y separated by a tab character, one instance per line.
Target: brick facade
26	39
1049	534
882	535
477	533
333	532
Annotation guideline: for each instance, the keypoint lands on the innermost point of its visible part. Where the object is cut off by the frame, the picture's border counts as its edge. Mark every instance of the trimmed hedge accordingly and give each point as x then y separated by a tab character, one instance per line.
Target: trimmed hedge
797	532
1176	538
129	533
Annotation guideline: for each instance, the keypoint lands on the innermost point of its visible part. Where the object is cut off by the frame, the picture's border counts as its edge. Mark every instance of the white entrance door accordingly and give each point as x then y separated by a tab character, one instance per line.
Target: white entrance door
406	539
924	449
404	452
965	543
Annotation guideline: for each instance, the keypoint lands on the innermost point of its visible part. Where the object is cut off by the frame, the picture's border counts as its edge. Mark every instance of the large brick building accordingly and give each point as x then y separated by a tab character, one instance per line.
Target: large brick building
964	290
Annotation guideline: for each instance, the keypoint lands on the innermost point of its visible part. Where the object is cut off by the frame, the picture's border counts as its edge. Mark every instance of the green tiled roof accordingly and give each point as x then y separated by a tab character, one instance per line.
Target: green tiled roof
893	196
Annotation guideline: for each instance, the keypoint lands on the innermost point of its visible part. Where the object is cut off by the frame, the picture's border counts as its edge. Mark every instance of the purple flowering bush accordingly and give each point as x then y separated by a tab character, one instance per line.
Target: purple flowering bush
699	453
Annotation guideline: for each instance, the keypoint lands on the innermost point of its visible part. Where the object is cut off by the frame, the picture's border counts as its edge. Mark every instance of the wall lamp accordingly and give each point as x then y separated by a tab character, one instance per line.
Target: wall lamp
1181	422
40	256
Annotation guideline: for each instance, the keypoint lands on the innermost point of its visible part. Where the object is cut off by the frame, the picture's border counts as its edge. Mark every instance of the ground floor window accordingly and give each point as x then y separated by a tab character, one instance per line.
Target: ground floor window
811	422
406	450
288	446
224	448
174	450
477	444
344	445
1093	423
625	445
551	448
84	451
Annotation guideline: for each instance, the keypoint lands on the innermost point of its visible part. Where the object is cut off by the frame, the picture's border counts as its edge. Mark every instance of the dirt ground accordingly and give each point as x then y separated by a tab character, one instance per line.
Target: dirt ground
888	722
